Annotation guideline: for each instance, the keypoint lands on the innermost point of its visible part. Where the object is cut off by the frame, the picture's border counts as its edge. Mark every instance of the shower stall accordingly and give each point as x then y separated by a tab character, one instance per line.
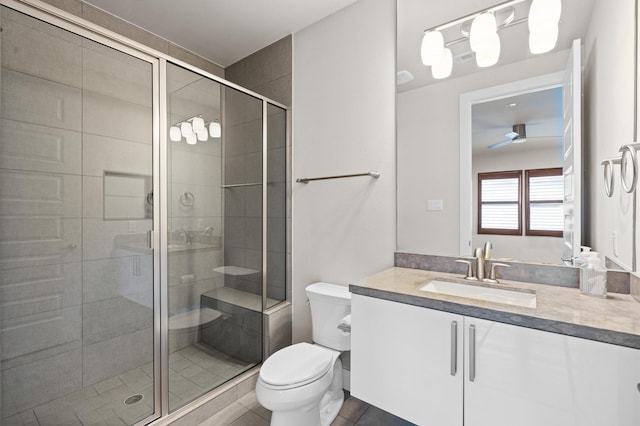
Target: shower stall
142	225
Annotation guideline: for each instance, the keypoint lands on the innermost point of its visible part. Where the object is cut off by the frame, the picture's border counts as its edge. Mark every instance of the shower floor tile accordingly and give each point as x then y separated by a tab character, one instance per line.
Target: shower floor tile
193	371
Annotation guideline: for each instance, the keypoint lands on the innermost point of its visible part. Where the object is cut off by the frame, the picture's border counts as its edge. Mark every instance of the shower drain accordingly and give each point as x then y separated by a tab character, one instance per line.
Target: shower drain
133	399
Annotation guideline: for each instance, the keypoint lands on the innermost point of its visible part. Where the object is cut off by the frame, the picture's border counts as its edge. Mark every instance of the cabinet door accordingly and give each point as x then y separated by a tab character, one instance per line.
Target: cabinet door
529	377
401	360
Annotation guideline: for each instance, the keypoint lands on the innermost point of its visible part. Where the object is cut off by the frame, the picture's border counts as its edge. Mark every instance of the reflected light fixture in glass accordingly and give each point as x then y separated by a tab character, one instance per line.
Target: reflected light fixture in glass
186	129
174	133
198	124
544	17
215	130
202	135
192	139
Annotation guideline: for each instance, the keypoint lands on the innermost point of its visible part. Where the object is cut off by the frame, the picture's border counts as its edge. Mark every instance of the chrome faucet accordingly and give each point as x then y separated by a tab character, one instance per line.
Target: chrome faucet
185	235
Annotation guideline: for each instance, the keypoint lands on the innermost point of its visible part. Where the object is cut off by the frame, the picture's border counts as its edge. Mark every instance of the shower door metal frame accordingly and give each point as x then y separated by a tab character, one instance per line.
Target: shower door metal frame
159	60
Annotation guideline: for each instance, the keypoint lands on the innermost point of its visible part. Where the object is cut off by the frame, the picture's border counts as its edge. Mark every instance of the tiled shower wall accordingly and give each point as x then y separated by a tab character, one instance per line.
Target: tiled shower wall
242	156
76	288
268	72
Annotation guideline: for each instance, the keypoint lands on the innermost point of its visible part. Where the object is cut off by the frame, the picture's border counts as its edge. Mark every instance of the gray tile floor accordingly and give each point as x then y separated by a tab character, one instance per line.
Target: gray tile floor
196	369
248	412
193	371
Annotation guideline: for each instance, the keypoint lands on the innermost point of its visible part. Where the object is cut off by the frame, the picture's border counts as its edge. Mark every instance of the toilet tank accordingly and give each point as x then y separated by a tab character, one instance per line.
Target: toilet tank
329	304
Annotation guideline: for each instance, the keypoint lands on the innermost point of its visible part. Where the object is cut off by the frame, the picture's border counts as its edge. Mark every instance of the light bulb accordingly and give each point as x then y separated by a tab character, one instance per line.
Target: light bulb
490	55
198	124
192	139
544	12
444	67
482	30
543	39
432	47
215	130
202	135
174	133
186	129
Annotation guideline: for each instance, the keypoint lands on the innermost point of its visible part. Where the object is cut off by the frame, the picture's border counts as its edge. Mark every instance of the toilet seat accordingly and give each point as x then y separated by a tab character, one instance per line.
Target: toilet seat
296	366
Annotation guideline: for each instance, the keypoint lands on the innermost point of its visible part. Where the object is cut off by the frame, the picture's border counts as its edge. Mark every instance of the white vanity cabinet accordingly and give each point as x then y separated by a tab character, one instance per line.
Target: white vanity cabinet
530	377
401	360
506	374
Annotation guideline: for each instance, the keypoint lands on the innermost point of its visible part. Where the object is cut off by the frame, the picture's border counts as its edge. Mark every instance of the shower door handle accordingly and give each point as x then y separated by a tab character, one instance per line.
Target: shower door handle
150	239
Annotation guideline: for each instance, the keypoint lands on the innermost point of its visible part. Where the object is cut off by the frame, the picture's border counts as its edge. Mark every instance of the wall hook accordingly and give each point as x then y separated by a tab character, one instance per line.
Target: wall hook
187	199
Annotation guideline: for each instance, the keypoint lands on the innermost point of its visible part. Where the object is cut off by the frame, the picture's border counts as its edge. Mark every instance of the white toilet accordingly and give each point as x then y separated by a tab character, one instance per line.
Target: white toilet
302	384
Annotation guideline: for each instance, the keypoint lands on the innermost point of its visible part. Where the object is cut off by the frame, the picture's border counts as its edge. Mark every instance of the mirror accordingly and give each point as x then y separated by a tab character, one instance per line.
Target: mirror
429	154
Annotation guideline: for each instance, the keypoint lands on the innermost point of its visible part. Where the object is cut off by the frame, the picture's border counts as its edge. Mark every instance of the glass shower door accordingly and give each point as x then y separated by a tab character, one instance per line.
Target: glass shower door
214	234
76	202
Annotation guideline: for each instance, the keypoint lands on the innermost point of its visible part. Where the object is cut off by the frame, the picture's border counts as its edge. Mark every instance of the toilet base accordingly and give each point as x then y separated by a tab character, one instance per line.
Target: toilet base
332	401
319	411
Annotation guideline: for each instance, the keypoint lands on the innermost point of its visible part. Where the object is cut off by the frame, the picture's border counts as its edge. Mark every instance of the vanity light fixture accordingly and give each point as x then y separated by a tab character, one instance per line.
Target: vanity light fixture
432	47
195	129
443	68
544	16
543	20
483	27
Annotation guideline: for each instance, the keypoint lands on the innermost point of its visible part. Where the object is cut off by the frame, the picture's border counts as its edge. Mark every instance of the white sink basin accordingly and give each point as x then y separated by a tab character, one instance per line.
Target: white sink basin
480	292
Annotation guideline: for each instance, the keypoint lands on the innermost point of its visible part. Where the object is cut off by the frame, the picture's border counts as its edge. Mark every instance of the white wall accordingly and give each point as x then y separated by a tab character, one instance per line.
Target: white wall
428	153
608	117
517	247
344	122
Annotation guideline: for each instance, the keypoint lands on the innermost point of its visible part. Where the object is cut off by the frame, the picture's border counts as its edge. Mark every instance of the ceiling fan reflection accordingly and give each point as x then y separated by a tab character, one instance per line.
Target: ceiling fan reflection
517	135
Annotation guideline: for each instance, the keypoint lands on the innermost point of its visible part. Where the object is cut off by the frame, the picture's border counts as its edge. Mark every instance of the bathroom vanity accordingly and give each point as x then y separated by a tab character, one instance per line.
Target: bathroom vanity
439	359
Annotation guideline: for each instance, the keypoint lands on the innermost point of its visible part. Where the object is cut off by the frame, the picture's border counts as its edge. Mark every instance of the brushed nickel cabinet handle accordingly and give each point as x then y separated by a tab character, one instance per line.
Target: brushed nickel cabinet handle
472	353
454	347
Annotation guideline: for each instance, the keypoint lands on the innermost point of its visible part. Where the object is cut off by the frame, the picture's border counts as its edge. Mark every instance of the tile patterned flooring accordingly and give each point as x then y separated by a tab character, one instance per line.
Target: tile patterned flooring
193	371
248	412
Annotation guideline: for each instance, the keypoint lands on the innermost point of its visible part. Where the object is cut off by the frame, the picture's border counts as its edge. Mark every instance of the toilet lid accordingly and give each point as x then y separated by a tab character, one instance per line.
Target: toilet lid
296	364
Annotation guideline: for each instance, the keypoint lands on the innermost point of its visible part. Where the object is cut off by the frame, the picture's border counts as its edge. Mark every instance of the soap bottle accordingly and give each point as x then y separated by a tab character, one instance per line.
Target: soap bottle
581	258
593	276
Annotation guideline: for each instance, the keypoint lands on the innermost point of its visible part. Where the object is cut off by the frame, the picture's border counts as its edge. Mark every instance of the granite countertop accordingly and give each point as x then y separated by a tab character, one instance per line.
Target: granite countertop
615	319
